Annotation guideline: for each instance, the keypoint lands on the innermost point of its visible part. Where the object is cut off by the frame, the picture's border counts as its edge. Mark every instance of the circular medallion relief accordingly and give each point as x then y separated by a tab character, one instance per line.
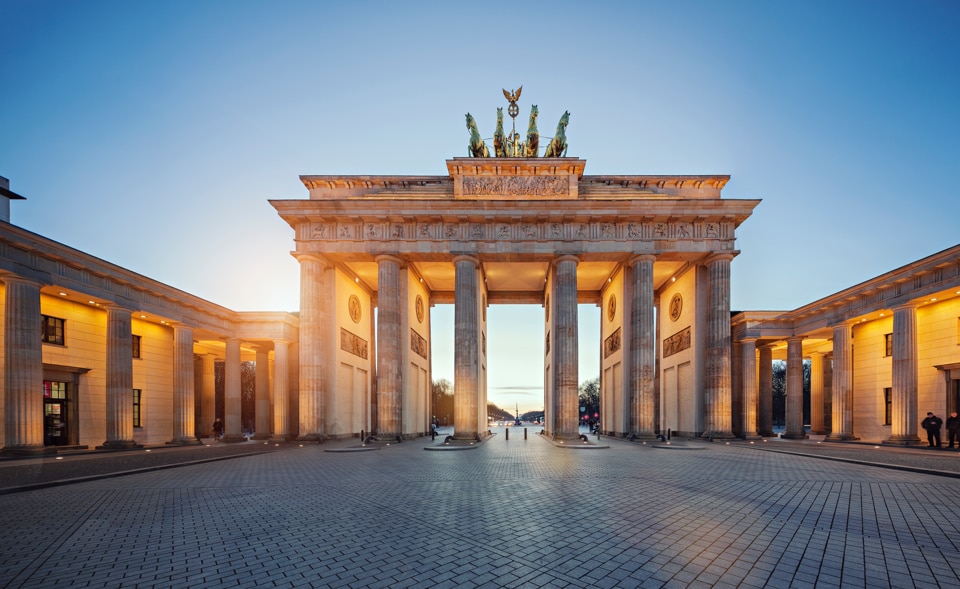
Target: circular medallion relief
611	307
353	304
419	308
676	305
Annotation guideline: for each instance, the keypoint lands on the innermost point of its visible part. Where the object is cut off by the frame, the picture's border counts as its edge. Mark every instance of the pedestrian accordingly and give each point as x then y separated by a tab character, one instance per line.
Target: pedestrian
932	424
953	429
217	428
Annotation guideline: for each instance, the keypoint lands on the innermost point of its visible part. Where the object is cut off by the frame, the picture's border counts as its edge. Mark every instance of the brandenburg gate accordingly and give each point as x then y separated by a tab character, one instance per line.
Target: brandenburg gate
653	252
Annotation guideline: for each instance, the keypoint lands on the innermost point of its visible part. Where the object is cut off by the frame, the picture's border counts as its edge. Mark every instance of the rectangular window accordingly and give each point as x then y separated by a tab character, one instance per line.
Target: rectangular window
136	347
51	330
887	405
136	407
887	345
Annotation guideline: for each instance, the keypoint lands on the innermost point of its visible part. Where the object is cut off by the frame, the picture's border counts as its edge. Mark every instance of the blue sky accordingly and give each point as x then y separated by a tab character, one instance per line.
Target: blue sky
151	134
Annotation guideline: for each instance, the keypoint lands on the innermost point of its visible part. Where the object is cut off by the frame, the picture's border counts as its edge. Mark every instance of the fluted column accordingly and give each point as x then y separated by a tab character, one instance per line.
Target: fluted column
842	406
816	393
905	414
281	371
718	396
748	379
119	409
389	348
794	408
311	347
22	368
183	381
642	349
765	392
208	395
233	427
466	349
262	394
565	353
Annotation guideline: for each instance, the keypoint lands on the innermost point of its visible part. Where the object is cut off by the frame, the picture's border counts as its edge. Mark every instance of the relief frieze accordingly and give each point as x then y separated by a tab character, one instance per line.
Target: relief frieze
612	343
418	344
516	186
517	231
676	343
353	343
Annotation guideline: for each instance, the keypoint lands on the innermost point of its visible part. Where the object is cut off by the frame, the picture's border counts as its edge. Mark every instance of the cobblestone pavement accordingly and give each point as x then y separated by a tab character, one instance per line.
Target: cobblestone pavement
509	513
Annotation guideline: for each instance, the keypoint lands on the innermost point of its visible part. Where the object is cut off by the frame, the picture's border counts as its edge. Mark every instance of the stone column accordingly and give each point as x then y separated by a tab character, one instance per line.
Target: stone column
748	378
389	348
231	393
208	395
718	397
794	409
119	407
905	414
466	349
183	405
311	347
262	394
765	400
281	371
842	406
817	425
565	354
22	368
642	349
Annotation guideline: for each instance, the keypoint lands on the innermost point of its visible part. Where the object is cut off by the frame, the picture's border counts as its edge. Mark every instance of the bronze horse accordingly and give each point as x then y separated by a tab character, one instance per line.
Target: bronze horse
477	147
532	147
558	145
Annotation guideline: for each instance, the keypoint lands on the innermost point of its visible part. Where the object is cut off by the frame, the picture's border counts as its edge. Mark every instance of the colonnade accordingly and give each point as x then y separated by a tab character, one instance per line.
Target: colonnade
23	378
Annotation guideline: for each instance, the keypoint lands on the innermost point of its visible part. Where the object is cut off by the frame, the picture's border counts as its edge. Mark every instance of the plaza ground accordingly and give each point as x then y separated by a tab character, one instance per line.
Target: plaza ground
508	513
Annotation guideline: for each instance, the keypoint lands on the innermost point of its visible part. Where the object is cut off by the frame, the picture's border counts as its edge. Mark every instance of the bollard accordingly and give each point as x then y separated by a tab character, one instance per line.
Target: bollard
668	434
362	438
508	433
524	433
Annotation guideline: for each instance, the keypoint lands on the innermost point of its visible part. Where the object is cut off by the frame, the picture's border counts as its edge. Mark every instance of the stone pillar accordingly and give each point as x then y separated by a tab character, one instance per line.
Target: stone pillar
183	406
565	354
466	349
718	396
233	427
748	378
642	349
281	372
208	395
311	347
817	425
262	395
905	414
119	407
765	392
842	406
794	409
22	368
389	348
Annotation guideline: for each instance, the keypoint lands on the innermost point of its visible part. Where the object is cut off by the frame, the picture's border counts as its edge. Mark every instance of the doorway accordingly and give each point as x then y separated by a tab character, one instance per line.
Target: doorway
57	428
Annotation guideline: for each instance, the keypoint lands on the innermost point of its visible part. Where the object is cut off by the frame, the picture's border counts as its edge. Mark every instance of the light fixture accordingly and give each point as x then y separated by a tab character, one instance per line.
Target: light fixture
143	316
63	294
92	302
933	299
673	279
356	279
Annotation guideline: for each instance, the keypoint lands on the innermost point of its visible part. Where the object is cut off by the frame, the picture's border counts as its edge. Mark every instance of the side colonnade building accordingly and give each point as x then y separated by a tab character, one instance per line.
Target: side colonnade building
882	354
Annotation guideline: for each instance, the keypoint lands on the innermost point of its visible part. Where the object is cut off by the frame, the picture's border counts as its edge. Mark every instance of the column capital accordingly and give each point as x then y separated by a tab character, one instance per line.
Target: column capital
719	257
466	258
908	305
7	278
302	257
641	258
390	258
566	258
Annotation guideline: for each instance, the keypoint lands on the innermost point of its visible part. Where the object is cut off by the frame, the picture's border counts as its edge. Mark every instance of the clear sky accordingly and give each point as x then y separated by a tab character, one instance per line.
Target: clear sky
152	133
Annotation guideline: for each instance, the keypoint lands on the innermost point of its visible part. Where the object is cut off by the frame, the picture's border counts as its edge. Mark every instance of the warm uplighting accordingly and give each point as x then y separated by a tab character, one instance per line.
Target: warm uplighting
63	294
357	279
92	302
933	300
59	457
673	279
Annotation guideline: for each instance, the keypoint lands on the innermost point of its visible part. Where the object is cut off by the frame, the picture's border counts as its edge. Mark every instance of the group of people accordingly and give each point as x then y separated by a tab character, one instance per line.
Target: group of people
933	424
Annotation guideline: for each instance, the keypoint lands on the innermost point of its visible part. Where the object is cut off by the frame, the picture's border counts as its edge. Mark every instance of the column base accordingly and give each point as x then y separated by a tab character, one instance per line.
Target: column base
233	438
281	439
185	442
840	438
792	436
28	451
261	437
711	436
752	437
767	434
644	437
309	438
119	445
901	441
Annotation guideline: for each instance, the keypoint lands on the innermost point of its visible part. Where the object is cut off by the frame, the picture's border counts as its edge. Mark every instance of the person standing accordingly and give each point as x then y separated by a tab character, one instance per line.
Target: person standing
932	424
218	428
953	429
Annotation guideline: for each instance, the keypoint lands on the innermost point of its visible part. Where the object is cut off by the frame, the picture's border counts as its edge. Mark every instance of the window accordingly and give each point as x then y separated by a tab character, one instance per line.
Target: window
51	330
136	407
136	347
887	405
887	345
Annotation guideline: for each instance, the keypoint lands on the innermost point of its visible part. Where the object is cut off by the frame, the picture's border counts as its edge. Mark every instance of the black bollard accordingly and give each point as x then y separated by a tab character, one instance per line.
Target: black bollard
524	433
508	433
